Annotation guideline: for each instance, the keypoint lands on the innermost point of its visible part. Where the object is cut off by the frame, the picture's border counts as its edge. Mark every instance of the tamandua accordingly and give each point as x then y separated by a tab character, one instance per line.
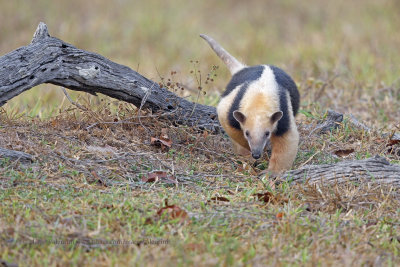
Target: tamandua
258	107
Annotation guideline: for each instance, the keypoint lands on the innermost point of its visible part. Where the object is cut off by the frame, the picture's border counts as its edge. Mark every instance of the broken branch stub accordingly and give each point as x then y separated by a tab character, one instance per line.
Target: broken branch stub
50	60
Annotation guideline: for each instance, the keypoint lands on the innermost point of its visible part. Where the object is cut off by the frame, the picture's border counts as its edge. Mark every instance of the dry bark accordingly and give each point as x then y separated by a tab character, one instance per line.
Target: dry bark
375	170
15	155
50	60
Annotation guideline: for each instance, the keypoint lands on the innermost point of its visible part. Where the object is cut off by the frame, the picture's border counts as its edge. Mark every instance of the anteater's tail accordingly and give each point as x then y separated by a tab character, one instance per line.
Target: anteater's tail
232	63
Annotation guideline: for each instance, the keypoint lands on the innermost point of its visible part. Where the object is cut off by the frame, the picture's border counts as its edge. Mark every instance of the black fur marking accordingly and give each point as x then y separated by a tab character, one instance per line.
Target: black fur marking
245	75
235	106
286	83
284	122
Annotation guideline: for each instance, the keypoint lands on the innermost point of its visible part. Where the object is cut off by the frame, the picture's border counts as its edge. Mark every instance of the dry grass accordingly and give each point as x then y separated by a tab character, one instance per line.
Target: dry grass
86	186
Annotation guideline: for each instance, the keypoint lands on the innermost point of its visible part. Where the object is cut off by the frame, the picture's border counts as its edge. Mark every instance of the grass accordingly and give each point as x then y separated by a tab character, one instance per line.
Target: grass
85	188
83	201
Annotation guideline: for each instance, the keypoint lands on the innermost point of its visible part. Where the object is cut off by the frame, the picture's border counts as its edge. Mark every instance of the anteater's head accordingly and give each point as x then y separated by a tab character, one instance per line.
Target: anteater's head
257	129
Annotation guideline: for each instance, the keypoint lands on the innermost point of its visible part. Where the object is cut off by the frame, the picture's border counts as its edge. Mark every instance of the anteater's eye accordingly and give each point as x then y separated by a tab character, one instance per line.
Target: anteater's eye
247	133
267	134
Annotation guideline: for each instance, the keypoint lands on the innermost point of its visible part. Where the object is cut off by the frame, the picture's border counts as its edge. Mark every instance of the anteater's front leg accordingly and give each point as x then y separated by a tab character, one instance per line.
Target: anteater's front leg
284	151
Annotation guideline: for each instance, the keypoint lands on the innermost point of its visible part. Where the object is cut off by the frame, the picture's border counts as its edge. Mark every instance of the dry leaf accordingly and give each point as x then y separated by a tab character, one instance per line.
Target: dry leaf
148	221
308	207
344	152
268	197
194	247
109	207
159	176
218	198
54	123
173	212
164	143
279	215
393	142
230	192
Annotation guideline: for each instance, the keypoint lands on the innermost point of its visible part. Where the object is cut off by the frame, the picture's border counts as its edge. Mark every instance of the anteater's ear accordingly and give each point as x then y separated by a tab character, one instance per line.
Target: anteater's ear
276	116
239	116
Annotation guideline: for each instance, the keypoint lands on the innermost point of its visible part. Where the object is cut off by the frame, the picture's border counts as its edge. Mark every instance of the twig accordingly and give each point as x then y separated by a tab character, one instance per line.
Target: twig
358	124
144	99
72	101
316	153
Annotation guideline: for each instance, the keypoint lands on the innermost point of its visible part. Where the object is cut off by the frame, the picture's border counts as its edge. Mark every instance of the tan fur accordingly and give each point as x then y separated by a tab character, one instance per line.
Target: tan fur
232	63
258	108
257	104
284	150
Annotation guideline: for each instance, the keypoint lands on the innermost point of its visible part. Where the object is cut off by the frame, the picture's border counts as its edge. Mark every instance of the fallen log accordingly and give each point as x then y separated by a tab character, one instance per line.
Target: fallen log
50	60
15	155
376	170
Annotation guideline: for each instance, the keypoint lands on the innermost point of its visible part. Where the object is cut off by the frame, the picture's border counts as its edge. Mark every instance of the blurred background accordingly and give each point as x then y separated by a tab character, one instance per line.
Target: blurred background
343	55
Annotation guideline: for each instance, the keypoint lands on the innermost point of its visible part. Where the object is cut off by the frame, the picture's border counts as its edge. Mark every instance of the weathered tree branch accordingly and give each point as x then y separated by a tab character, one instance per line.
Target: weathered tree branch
50	60
375	170
16	155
